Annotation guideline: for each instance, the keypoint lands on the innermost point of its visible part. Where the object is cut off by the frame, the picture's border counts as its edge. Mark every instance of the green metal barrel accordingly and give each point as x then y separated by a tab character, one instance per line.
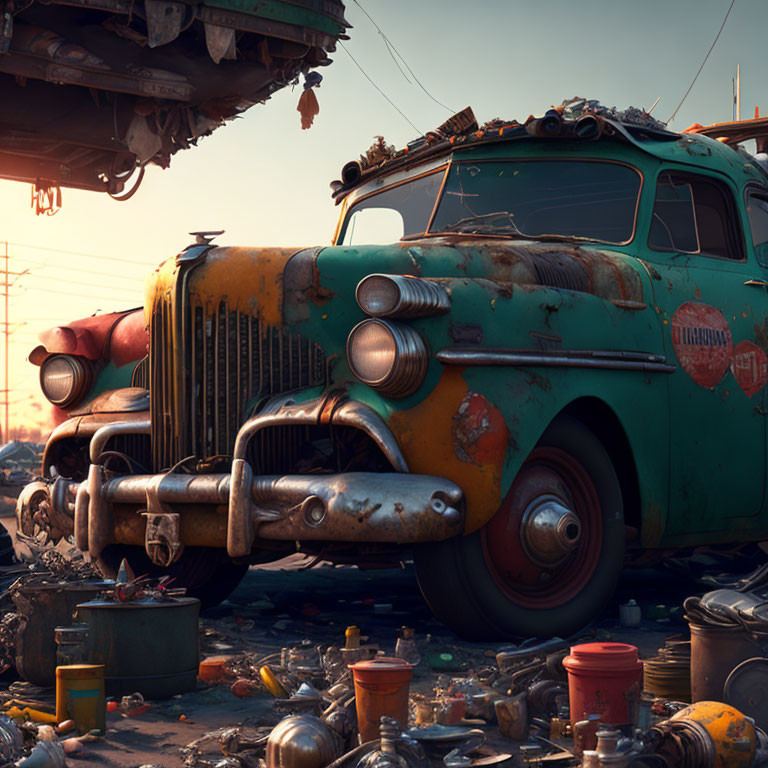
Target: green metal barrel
146	646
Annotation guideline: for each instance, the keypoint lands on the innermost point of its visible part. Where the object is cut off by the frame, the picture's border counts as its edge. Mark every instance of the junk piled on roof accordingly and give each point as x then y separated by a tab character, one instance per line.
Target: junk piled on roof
575	118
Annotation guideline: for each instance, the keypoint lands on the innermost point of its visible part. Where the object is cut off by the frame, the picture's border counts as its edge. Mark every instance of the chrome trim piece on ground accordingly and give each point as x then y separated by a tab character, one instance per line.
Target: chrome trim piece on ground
608	359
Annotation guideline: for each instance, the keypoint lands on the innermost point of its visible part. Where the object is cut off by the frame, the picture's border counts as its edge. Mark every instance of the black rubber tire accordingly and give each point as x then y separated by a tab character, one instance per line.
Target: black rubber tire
207	573
7	553
461	592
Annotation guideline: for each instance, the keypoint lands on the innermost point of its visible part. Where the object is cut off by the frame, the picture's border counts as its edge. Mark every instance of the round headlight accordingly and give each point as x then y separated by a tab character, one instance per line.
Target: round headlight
387	356
378	295
401	296
64	379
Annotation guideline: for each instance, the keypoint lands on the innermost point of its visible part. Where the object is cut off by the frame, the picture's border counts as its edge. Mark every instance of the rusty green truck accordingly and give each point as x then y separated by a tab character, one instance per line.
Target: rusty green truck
556	357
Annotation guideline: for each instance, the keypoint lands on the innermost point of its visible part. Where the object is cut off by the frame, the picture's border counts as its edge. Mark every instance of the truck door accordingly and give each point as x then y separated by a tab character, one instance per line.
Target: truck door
711	304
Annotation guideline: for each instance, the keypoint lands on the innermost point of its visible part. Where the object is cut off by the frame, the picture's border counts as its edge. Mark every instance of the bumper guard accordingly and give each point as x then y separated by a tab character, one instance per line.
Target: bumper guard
395	507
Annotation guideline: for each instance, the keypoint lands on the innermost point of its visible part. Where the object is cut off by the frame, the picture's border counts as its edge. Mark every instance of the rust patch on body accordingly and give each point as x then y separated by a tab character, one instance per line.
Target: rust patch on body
249	279
458	435
479	430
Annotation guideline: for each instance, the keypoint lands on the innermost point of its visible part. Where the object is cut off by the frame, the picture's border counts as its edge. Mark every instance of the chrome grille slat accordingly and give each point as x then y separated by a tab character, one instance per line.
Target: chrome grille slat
233	360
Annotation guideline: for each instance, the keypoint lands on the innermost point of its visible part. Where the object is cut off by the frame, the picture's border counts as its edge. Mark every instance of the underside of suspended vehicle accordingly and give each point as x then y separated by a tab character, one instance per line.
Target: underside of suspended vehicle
94	90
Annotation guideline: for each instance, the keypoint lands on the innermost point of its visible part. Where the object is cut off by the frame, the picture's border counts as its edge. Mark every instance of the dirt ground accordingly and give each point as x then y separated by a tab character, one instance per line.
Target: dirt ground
287	604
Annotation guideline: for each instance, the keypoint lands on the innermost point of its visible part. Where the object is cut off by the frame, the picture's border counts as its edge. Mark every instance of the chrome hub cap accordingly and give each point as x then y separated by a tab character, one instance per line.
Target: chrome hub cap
549	531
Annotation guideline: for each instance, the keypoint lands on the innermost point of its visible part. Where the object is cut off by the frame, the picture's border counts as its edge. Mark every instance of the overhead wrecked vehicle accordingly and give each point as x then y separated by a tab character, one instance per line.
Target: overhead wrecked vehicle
94	90
555	359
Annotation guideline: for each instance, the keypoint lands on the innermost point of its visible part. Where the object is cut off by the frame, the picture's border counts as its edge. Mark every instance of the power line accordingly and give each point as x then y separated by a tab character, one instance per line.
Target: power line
78	282
391	47
126	298
77	253
39	265
711	48
402	114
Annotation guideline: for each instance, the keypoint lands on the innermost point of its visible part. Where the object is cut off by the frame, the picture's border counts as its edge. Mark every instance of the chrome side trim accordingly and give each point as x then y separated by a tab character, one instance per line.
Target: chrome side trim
617	360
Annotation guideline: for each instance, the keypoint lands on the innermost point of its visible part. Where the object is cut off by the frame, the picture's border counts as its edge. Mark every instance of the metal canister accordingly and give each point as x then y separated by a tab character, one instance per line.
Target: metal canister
149	646
668	675
71	645
715	651
43	607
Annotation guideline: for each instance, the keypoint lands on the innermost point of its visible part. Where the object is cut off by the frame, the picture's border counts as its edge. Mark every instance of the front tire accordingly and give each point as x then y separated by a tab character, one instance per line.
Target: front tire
548	560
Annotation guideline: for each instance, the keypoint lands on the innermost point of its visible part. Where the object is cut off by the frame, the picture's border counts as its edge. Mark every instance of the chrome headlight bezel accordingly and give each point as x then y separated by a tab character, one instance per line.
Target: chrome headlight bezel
408	296
410	362
81	376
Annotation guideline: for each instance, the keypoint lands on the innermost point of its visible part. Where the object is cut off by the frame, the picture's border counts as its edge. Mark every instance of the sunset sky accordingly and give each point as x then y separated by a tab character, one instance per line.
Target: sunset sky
265	181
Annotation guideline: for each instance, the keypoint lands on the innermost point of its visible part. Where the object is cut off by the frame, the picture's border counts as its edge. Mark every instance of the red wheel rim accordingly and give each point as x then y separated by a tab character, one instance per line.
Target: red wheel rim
548	472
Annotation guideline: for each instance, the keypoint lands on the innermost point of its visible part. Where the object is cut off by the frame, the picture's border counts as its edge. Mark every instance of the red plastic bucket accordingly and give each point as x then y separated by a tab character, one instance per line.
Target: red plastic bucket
381	688
604	679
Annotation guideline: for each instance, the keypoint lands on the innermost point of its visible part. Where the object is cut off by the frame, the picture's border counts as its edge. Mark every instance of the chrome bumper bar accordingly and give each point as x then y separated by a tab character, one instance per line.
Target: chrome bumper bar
392	507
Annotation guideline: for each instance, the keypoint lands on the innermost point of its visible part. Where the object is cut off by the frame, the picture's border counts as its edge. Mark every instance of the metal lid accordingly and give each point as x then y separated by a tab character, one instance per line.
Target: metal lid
149	602
746	689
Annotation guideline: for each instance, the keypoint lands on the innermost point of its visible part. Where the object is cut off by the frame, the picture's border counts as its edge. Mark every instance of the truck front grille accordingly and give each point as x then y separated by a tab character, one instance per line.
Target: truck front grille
203	386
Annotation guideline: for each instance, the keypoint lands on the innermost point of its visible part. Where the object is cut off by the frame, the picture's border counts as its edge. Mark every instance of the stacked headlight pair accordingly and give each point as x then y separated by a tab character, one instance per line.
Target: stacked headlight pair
385	354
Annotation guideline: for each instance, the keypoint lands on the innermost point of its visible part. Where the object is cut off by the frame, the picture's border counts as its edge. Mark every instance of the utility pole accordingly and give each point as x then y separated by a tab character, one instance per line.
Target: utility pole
6	389
6	324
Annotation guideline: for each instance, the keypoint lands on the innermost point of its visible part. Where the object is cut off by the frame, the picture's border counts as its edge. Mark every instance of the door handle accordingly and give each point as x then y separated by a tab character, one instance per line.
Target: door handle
754	281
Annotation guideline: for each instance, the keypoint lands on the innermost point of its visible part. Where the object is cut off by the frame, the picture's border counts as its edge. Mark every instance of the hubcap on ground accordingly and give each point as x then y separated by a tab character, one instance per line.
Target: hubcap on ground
544	543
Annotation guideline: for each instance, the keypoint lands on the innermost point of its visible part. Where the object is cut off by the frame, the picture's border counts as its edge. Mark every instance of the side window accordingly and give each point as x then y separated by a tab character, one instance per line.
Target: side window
757	209
694	214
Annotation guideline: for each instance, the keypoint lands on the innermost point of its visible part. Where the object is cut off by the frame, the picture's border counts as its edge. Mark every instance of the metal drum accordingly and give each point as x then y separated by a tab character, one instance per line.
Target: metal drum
43	607
149	646
715	651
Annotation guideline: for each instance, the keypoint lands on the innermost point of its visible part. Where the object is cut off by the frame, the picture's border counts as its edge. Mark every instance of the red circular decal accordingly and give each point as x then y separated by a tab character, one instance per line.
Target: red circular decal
702	342
750	367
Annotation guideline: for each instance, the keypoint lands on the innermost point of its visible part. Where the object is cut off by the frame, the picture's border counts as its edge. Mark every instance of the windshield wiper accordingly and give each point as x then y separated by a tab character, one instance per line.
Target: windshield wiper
501	221
563	238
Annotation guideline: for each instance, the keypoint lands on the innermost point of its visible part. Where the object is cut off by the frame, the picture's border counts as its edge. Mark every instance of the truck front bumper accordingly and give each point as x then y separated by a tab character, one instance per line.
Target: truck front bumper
393	507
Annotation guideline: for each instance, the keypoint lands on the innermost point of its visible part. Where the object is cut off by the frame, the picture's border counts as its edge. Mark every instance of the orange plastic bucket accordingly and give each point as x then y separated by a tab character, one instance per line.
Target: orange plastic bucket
213	669
381	688
604	679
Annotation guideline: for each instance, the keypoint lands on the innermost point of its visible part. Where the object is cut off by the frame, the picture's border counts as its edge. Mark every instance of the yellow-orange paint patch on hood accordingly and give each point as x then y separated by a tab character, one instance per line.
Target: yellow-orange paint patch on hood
457	434
250	279
158	284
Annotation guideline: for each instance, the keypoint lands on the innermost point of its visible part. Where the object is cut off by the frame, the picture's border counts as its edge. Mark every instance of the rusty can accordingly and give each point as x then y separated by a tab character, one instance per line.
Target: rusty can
715	651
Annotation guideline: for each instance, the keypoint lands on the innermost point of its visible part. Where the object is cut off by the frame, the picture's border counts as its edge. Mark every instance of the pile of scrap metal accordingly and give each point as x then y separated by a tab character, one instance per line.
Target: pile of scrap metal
20	462
93	90
34	593
577	117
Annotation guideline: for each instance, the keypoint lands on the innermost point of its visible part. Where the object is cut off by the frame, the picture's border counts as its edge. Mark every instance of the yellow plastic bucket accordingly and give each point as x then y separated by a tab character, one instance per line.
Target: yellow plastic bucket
80	696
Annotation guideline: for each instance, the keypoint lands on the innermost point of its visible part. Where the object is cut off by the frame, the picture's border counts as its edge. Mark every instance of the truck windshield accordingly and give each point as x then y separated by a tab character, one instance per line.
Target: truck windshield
386	216
535	198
